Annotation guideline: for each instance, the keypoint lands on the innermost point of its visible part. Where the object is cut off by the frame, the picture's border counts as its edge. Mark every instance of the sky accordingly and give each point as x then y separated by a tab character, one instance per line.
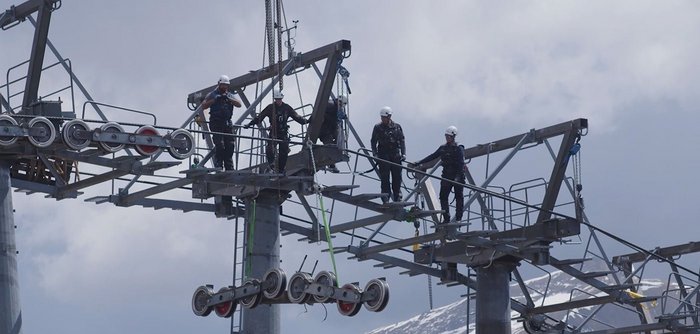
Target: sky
493	69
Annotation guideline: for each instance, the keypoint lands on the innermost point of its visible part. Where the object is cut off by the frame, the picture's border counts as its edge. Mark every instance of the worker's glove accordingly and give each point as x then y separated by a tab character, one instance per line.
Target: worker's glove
247	126
403	157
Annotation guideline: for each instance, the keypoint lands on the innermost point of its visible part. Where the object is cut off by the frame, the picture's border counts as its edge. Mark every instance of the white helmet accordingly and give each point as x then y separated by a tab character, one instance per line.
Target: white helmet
343	99
224	80
277	94
385	112
451	130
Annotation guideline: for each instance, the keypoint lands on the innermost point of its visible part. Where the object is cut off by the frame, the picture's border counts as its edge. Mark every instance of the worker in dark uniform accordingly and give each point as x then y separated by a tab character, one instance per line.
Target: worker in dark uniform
329	128
278	113
388	144
222	102
453	168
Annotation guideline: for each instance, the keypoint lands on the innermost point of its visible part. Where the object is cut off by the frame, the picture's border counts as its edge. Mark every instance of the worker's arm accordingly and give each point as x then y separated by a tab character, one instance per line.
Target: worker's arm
431	157
209	100
296	117
256	120
232	97
402	143
374	140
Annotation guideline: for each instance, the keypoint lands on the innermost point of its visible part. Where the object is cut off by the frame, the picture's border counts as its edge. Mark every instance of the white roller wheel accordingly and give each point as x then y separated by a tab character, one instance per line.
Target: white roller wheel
147	150
182	152
251	301
276	281
113	128
297	288
324	278
349	309
50	132
380	290
200	299
225	309
69	137
6	120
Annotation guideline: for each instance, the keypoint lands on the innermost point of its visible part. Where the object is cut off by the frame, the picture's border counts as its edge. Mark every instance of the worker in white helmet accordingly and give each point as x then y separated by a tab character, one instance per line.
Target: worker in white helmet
388	144
453	170
278	114
222	101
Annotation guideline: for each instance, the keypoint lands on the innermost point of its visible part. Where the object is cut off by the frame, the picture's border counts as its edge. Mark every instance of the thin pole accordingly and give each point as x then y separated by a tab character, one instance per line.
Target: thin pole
10	313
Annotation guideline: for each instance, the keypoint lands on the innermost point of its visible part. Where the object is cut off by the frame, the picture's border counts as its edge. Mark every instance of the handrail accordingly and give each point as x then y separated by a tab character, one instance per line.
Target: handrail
117	107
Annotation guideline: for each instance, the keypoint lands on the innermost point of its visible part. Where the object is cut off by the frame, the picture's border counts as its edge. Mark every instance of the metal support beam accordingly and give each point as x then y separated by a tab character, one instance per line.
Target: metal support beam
493	298
10	313
324	90
36	60
555	180
264	255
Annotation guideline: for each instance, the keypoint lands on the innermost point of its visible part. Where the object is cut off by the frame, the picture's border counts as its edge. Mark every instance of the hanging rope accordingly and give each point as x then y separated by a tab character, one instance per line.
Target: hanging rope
249	243
319	198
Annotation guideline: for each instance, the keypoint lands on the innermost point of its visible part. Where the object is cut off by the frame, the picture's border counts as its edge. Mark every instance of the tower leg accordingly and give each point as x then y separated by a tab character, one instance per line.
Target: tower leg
10	314
265	254
493	298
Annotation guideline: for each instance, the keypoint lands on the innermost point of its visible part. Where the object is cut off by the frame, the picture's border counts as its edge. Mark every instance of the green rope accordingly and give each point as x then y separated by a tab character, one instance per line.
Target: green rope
328	238
251	230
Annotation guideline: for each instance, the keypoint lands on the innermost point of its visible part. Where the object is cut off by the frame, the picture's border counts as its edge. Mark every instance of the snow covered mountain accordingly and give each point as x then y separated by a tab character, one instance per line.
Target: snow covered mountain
559	287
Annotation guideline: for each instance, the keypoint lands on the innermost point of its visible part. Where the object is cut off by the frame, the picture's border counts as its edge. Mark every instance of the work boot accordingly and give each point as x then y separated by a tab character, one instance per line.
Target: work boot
333	169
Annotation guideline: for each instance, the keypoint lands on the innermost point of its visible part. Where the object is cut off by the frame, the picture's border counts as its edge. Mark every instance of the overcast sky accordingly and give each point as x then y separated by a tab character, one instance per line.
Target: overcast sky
493	69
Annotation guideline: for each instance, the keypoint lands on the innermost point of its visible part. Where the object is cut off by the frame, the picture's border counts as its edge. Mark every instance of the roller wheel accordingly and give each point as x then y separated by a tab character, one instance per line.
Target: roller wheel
349	309
297	288
49	135
276	281
200	299
6	120
111	128
225	309
324	278
251	301
147	150
69	137
380	290
182	152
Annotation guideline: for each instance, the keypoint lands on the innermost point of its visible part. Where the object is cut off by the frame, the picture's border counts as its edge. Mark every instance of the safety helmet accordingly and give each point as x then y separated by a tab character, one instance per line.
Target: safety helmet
451	130
224	80
385	112
277	94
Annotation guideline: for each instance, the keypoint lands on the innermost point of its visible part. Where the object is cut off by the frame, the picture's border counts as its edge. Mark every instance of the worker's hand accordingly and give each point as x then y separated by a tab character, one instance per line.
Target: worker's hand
403	157
411	165
247	126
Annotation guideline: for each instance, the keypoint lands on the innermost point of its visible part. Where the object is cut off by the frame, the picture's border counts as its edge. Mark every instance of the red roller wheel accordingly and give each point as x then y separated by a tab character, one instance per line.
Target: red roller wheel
349	309
147	150
225	309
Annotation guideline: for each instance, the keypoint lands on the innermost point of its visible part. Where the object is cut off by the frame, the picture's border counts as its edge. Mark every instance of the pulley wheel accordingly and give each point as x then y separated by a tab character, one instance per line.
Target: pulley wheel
225	309
276	281
185	152
147	150
380	290
251	301
69	137
5	121
297	288
49	135
349	309
325	278
200	298
112	129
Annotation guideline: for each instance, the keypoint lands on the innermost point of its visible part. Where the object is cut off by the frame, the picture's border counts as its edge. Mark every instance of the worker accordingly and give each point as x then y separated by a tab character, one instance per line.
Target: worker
388	144
453	172
222	102
278	113
329	128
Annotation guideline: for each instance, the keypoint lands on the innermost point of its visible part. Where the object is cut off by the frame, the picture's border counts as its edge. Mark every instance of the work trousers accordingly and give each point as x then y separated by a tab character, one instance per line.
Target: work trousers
392	188
445	188
223	144
283	152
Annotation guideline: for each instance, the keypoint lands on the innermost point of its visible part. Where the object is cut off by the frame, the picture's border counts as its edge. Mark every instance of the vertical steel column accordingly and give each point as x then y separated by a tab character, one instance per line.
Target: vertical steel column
493	298
10	313
264	254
